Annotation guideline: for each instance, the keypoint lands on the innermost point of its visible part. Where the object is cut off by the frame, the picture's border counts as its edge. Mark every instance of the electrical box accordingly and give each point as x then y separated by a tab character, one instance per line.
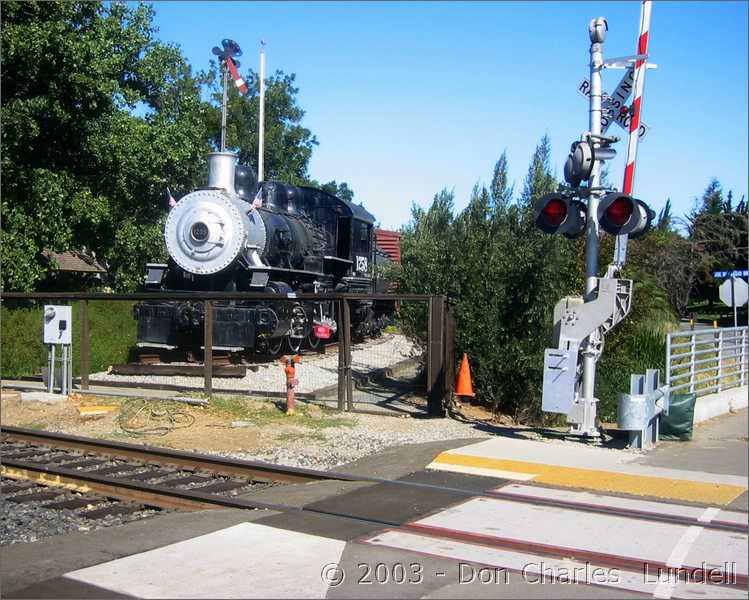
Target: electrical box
58	324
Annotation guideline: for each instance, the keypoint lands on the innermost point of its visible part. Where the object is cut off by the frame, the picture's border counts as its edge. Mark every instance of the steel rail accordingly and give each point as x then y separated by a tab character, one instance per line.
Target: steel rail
193	499
255	470
260	471
165	496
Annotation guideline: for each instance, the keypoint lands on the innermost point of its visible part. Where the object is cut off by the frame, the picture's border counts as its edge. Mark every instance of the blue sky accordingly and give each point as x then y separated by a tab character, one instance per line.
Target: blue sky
407	98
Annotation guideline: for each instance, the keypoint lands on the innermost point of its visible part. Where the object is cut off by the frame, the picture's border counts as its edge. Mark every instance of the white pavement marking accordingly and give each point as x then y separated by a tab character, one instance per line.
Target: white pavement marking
710	514
245	561
535	569
482	471
638	539
703	515
665	587
577	457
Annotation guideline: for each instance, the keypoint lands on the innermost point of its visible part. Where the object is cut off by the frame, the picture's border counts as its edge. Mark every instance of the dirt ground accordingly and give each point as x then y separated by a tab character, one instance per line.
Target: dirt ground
227	424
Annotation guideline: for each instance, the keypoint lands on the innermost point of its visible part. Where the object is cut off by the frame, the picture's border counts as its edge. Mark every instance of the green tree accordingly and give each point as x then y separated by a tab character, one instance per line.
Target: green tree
288	144
664	217
712	198
80	168
505	274
501	191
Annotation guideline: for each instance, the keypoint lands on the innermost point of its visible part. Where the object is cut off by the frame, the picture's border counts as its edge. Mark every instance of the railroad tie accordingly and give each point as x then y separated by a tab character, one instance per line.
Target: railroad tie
73	503
120	508
121	468
36	496
150	475
221	486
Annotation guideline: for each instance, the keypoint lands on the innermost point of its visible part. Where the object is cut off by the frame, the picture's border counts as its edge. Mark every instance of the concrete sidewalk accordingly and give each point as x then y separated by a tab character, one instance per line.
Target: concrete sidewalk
711	469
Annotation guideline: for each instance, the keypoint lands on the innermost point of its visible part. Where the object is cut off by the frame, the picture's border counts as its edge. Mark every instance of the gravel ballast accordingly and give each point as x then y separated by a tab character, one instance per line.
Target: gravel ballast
367	435
316	371
29	521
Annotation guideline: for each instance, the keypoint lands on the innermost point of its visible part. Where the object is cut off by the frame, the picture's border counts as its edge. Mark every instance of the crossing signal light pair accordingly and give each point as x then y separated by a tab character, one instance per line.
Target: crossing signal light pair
555	213
618	214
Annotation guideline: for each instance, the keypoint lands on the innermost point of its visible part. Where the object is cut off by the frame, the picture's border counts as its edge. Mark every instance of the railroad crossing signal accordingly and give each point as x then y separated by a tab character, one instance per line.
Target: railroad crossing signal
555	213
620	214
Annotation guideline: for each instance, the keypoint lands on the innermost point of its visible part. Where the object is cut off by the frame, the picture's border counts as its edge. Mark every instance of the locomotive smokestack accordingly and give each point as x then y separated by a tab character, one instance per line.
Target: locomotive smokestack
221	170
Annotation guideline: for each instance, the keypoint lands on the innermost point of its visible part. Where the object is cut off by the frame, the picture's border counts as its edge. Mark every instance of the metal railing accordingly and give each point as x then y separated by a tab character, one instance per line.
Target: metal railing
706	361
439	340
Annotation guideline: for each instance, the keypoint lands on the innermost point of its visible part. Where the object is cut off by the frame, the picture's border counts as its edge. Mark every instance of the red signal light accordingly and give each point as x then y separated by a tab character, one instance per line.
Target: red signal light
555	212
619	211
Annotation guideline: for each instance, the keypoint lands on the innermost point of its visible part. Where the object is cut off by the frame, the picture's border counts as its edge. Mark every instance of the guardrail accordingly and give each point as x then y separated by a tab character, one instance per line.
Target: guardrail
706	361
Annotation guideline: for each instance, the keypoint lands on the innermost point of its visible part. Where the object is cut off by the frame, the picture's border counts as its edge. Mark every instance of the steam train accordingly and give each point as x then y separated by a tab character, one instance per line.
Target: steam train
237	234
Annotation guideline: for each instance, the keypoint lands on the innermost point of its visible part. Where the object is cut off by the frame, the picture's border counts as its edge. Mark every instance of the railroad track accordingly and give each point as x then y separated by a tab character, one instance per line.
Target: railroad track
143	477
188	480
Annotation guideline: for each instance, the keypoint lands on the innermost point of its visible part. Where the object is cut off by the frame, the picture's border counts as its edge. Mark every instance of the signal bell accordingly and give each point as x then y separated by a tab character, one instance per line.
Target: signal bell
620	214
554	213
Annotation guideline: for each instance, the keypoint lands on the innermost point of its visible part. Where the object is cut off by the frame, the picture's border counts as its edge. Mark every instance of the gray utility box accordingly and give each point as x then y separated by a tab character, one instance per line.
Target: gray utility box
58	324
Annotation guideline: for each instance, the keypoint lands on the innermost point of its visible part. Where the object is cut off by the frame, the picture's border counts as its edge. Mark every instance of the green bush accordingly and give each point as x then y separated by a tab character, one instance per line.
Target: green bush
112	335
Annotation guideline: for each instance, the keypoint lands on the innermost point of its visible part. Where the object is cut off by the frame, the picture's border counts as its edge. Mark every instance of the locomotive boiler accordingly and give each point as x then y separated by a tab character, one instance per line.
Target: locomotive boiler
237	234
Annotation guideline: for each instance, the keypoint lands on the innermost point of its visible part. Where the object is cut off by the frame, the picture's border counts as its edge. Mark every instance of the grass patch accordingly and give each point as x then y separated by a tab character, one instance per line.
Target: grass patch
33	425
112	335
266	413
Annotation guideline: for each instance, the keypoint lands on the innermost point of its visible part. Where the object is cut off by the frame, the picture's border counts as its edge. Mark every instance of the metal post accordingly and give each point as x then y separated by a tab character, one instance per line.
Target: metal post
348	379
85	345
208	348
341	361
597	31
693	349
668	359
733	301
449	360
719	370
261	118
743	356
64	370
436	355
51	369
225	73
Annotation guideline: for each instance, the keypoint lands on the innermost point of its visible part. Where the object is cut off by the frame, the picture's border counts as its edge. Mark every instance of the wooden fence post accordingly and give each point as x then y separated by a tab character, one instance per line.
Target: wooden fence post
85	365
208	348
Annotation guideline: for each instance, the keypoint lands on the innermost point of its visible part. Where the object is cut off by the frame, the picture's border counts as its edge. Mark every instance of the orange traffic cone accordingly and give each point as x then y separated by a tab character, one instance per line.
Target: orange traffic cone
463	386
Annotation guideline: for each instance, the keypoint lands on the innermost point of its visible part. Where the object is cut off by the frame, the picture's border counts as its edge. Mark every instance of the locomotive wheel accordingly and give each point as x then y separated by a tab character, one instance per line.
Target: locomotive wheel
274	346
313	342
294	343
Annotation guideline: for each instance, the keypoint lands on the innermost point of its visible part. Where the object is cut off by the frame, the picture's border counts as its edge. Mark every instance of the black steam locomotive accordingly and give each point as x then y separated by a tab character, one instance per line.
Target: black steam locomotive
238	235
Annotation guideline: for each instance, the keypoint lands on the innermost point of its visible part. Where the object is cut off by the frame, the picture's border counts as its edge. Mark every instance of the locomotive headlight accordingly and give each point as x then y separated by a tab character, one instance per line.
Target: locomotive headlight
199	232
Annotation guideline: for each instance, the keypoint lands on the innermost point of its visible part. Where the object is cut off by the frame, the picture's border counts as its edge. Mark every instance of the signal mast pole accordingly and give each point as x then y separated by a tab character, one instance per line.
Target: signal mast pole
225	73
597	32
261	117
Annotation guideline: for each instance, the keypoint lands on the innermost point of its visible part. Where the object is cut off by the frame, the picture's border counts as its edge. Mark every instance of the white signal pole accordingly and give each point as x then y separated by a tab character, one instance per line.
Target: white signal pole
261	118
597	32
225	74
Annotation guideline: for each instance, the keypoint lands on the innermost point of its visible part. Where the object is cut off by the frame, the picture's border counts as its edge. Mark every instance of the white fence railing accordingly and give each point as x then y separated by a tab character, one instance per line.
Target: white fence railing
705	361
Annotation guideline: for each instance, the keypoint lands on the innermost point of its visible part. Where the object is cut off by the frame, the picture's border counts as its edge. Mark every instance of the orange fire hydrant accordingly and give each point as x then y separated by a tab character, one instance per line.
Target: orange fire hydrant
291	380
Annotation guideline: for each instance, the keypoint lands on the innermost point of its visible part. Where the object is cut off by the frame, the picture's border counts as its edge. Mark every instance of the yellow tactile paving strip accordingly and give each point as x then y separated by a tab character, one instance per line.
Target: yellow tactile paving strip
604	481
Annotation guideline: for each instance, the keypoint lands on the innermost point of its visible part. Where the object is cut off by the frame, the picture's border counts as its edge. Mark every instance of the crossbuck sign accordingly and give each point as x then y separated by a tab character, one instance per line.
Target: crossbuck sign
614	108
